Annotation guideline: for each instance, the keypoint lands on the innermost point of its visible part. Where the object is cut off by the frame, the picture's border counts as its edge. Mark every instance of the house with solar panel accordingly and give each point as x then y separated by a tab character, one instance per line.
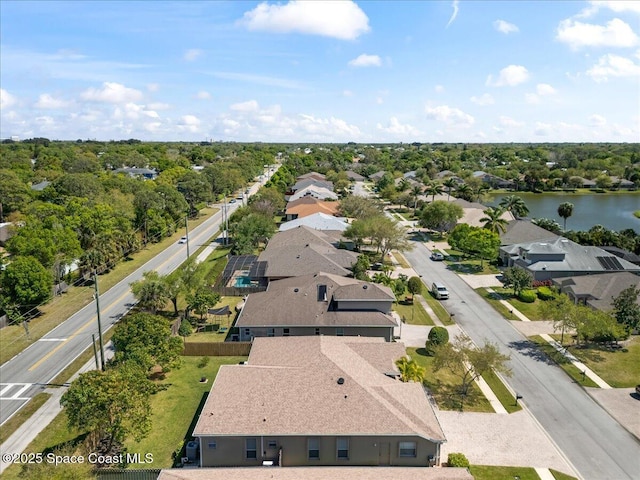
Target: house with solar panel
560	257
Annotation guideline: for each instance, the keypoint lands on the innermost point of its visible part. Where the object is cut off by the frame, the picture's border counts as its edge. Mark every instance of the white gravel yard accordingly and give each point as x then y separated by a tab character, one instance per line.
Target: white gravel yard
491	439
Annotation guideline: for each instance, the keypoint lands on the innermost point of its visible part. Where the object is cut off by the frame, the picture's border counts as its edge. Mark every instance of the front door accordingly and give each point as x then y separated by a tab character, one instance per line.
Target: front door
384	454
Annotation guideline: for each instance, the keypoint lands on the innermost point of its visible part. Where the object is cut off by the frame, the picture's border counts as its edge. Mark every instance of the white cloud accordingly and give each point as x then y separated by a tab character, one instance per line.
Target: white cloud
192	54
111	93
449	115
46	101
531	98
454	15
189	123
543	89
542	129
248	106
509	122
616	33
394	127
613	66
133	111
6	99
505	27
617	6
331	127
158	106
343	20
365	60
596	120
509	77
439	88
483	100
203	95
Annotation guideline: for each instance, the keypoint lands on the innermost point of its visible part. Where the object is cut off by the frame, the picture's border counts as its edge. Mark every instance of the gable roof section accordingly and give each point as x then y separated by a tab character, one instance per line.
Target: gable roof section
297	393
317	221
318	192
296	260
521	231
309	205
602	288
315	175
306	182
302	235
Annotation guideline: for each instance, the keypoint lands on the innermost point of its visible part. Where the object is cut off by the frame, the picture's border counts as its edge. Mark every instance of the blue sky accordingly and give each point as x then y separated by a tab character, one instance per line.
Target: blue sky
314	71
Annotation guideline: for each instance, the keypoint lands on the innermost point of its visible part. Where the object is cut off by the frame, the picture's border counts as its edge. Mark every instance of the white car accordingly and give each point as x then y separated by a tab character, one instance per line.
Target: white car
439	291
183	239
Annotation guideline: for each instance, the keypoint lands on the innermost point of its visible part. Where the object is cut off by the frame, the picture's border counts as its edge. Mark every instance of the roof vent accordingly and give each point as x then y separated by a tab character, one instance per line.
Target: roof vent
365	286
296	290
340	381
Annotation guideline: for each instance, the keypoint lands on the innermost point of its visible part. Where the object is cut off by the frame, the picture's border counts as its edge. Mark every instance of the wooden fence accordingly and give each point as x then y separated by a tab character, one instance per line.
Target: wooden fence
213	349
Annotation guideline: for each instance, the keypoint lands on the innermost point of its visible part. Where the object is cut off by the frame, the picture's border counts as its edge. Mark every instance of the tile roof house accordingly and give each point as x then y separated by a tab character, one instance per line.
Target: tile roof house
308	206
318	401
317	221
321	193
472	212
318	304
559	257
597	291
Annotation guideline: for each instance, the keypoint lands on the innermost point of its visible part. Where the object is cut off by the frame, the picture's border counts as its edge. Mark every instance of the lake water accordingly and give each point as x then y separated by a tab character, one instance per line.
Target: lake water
614	211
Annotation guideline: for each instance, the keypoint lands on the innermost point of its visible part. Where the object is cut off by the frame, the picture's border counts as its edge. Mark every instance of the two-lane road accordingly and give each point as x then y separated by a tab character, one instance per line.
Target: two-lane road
597	446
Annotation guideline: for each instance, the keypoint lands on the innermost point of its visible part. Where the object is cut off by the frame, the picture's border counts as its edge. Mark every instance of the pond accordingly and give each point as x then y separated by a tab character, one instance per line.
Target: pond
612	211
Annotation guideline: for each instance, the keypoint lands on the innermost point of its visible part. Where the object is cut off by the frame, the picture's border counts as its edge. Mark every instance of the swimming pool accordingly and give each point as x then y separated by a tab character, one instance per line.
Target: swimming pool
243	281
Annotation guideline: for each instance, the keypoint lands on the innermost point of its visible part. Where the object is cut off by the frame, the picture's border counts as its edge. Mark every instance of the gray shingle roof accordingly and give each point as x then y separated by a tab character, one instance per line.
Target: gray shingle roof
296	260
602	287
317	221
521	231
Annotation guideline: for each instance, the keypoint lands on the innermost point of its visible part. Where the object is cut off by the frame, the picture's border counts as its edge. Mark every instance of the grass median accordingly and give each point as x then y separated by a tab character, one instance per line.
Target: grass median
562	361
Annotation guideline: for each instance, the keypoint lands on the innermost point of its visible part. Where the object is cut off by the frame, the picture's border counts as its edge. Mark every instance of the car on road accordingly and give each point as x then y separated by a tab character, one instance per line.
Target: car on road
183	240
233	200
437	257
439	291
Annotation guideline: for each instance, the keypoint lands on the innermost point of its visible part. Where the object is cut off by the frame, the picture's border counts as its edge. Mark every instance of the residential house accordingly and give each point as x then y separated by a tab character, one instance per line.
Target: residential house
597	291
38	187
622	183
316	175
309	205
523	231
493	180
318	401
320	193
558	257
305	182
145	173
624	254
6	232
317	221
354	177
473	212
318	304
374	177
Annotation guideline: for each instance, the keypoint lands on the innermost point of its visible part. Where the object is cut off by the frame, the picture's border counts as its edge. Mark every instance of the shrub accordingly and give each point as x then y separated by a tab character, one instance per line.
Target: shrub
457	460
545	293
185	328
204	361
437	336
527	296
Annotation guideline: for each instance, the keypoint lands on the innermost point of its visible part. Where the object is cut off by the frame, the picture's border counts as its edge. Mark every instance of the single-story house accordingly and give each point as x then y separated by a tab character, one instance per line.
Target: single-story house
305	182
377	176
597	291
493	180
316	175
146	173
309	205
318	304
558	257
354	177
6	232
317	221
38	187
320	193
622	183
318	401
473	212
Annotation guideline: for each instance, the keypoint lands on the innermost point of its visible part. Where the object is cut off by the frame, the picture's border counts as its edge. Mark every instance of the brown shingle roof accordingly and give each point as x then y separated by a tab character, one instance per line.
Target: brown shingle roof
297	393
306	206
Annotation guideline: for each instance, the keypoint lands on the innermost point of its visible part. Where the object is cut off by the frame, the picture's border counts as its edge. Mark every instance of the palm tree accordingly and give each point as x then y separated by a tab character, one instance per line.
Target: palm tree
416	191
565	210
450	183
479	192
410	370
493	220
433	189
464	191
515	205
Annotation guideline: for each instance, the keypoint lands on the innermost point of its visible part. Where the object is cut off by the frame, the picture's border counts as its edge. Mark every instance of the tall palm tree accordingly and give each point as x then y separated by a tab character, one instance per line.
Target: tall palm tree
515	205
479	192
464	191
565	210
493	220
416	191
450	183
433	189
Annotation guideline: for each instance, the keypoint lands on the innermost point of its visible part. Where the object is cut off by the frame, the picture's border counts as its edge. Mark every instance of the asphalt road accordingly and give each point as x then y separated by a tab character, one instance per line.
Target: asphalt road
34	368
591	440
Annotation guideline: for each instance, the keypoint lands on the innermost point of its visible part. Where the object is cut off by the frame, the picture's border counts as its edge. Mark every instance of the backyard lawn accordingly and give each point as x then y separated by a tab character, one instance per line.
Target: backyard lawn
444	386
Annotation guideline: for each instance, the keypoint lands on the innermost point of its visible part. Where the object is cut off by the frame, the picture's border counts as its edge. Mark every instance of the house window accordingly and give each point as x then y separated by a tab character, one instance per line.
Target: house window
251	452
314	448
272	444
271	332
408	449
317	331
212	445
340	332
285	332
342	445
247	332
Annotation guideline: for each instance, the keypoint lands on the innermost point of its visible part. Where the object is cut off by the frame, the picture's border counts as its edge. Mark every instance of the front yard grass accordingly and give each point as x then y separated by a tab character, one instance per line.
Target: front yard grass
619	368
487	472
530	310
501	391
401	260
444	386
457	262
571	370
441	312
413	314
561	476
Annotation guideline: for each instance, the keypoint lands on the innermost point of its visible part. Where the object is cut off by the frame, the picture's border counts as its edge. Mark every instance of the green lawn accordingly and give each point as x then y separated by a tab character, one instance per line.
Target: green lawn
530	310
444	386
484	472
175	410
438	309
414	314
507	400
457	262
401	260
619	368
561	476
562	362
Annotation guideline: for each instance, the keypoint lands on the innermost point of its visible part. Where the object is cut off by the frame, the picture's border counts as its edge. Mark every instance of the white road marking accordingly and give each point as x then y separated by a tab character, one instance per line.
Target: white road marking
16	394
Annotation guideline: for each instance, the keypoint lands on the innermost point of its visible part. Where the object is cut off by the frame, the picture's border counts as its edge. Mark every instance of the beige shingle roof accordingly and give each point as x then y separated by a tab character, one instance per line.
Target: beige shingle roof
299	236
296	260
290	387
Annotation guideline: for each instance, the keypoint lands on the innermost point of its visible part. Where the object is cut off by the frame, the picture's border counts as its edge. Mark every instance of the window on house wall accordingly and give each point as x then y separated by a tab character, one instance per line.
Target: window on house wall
247	332
317	331
407	449
285	332
340	332
342	446
272	444
314	449
212	445
251	451
271	332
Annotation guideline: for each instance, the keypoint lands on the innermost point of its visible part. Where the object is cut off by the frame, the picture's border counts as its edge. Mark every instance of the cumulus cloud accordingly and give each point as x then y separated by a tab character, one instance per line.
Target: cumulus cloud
483	100
616	33
596	120
617	6
396	128
544	89
111	93
343	20
46	101
192	54
454	14
509	77
203	95
328	127
189	123
248	106
365	60
449	115
531	98
505	27
6	99
133	111
613	66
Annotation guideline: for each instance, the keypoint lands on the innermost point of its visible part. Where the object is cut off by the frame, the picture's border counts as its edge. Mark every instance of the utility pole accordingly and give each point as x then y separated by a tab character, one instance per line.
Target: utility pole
95	350
224	218
97	295
186	227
